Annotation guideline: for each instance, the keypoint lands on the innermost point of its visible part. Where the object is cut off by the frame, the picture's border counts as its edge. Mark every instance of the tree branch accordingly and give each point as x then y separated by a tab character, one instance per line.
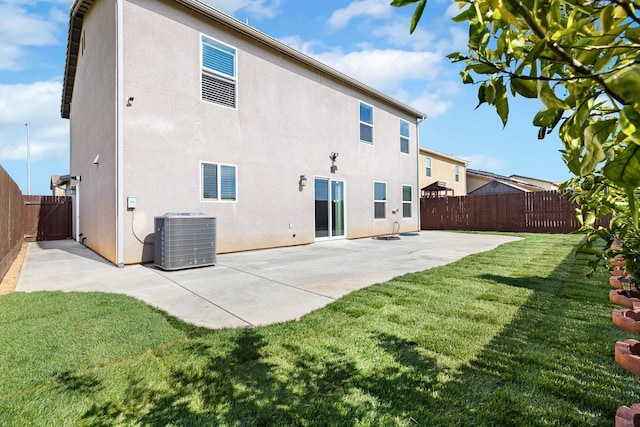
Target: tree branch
627	8
591	74
561	54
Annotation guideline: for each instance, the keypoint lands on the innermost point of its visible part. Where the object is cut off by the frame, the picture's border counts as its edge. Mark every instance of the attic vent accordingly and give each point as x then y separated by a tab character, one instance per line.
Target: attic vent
217	90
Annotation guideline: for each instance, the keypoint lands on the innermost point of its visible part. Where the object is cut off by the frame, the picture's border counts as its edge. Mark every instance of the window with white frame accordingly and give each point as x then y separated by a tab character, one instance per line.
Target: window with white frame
457	174
218	72
404	136
379	200
219	182
427	162
407	200
366	123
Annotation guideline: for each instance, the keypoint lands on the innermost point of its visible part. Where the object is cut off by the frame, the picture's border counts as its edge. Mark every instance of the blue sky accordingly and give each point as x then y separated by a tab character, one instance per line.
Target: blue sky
366	39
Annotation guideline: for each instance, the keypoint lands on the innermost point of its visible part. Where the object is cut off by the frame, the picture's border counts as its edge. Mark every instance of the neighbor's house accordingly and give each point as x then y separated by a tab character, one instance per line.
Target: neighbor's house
56	188
177	107
441	175
481	182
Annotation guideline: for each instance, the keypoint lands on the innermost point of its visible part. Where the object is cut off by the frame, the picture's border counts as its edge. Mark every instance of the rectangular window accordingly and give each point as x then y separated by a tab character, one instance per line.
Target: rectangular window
379	200
407	199
404	136
427	162
366	123
218	182
218	73
457	174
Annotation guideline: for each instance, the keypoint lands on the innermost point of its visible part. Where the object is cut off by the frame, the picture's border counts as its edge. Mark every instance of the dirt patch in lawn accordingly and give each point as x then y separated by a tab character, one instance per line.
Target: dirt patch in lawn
10	280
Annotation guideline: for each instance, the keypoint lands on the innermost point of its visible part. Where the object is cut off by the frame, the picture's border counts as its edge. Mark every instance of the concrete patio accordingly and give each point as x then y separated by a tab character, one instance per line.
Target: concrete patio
245	289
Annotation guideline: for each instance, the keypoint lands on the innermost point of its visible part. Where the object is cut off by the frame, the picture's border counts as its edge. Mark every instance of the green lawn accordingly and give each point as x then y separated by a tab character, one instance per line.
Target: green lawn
515	336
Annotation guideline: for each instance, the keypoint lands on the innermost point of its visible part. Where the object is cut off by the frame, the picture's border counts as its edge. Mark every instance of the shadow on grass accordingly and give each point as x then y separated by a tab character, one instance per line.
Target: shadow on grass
240	388
551	365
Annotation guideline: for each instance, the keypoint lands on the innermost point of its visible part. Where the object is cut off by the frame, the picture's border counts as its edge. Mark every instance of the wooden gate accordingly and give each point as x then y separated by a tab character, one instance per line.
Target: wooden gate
47	218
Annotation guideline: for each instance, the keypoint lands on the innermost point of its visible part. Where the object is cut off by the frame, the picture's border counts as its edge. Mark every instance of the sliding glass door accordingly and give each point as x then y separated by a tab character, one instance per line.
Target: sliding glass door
329	208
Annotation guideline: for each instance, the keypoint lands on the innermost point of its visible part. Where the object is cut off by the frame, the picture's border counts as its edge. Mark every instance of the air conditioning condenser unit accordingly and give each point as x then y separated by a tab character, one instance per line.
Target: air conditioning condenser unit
184	240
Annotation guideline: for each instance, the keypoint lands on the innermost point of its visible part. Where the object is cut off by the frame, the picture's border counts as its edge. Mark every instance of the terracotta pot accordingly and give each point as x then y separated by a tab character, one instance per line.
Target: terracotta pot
616	245
626	319
614	281
626	298
628	416
617	261
618	271
628	355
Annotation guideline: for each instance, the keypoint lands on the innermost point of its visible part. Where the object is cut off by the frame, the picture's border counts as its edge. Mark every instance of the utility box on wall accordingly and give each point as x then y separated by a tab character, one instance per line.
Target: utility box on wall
184	240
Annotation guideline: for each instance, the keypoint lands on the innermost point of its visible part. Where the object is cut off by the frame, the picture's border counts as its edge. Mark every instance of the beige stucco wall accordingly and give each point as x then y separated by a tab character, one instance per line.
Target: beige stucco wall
442	169
93	130
474	182
288	121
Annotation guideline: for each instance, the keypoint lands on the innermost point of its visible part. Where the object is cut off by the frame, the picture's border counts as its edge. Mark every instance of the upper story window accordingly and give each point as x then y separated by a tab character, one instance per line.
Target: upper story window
218	72
366	123
218	182
379	200
457	174
404	136
427	162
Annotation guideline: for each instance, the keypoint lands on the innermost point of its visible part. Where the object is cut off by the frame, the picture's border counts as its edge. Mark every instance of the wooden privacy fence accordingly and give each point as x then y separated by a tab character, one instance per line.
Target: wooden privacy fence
11	236
47	218
537	212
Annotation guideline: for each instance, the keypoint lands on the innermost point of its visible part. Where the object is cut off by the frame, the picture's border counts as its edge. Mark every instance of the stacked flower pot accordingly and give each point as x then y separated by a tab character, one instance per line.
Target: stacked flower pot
627	352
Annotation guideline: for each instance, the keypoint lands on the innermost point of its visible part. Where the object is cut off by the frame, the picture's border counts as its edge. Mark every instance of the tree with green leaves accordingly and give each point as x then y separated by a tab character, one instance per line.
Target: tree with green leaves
581	59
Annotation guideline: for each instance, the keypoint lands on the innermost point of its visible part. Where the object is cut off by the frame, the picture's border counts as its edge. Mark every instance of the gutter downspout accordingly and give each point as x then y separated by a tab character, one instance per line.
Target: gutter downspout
77	203
420	120
119	135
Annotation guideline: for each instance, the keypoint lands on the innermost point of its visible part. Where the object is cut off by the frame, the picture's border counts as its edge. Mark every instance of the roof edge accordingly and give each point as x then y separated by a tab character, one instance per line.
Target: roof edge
446	156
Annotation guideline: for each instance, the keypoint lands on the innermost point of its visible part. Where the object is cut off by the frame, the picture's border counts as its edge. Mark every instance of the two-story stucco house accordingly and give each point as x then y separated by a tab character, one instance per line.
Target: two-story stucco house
177	107
441	174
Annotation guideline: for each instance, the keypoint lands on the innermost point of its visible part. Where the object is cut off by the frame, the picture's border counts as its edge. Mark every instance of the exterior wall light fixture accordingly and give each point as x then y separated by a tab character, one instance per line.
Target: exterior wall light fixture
303	181
333	157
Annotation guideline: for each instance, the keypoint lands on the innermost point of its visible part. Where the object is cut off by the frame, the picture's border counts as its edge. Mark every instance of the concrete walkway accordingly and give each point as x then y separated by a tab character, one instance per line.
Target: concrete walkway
250	288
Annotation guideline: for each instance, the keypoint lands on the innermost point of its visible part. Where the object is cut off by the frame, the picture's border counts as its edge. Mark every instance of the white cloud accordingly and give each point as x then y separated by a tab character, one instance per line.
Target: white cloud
10	57
38	104
432	104
23	30
390	71
397	34
483	162
384	69
367	8
304	46
256	8
459	40
453	10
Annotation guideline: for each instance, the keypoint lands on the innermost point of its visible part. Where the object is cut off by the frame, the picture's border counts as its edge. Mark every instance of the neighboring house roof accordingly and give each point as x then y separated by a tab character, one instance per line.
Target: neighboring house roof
428	152
514	182
517	186
80	7
486	174
549	185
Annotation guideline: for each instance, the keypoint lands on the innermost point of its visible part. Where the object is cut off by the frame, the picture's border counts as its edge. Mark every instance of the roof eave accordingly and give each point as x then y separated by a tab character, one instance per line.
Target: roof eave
76	16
